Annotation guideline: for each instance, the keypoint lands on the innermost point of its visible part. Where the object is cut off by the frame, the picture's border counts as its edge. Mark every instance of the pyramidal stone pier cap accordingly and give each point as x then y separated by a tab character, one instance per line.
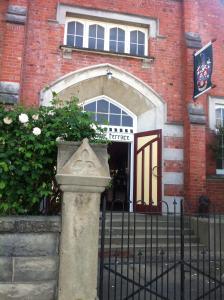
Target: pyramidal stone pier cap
80	168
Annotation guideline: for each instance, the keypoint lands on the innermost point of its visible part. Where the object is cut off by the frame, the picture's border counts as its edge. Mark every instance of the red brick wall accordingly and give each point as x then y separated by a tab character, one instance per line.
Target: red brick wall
3	7
12	46
215	192
44	59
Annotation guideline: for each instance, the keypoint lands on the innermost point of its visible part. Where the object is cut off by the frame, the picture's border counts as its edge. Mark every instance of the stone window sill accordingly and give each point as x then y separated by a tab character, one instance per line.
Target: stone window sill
67	50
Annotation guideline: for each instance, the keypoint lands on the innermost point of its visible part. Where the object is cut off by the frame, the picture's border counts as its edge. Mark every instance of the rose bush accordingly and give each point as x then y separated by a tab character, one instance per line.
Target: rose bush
28	151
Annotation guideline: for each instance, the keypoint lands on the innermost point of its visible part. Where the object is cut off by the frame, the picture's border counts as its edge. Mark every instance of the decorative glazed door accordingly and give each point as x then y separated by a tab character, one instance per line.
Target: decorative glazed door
147	171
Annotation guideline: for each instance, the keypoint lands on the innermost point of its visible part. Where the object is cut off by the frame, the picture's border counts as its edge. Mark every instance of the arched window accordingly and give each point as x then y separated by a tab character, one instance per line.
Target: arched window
75	34
117	40
96	37
137	43
107	113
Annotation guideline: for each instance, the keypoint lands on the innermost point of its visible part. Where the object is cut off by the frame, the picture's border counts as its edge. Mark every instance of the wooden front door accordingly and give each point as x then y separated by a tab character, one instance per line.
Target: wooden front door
147	171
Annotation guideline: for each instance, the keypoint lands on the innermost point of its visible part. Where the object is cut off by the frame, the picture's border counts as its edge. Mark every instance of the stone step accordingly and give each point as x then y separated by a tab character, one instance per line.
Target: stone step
117	240
115	230
153	250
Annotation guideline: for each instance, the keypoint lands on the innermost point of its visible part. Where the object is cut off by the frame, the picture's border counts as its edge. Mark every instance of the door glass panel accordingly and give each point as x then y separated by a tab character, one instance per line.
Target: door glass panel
154	173
139	178
147	168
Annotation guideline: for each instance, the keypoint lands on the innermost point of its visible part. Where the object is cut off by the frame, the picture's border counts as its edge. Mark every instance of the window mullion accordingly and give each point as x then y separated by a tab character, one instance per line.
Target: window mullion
127	41
107	38
85	35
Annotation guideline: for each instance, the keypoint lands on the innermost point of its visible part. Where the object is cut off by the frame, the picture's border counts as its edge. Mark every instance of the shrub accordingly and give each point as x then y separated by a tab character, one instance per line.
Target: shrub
28	151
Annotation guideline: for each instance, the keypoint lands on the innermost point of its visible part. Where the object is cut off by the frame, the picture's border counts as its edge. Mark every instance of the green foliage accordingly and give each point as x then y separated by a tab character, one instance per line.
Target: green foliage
28	151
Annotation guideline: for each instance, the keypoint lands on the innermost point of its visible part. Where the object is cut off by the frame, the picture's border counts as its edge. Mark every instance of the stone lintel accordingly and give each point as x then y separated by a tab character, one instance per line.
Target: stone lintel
196	114
193	40
9	92
16	14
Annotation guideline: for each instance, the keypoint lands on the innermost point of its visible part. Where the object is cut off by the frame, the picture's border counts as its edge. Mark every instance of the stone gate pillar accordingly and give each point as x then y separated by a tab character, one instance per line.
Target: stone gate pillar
82	176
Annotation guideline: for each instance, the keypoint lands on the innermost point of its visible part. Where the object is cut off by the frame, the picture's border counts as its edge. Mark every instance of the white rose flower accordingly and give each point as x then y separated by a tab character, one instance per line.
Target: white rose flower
93	126
7	120
36	131
51	113
59	138
23	118
35	117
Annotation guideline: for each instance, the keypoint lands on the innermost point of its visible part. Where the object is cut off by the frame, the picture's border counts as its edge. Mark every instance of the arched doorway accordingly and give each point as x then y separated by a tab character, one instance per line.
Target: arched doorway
120	125
124	104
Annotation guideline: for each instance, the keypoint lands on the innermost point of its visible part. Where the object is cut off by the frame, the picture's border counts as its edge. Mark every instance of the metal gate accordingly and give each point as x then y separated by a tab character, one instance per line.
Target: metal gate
174	256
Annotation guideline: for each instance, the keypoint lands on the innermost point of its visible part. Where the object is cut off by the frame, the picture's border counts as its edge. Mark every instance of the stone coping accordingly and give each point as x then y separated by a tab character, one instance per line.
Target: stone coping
25	224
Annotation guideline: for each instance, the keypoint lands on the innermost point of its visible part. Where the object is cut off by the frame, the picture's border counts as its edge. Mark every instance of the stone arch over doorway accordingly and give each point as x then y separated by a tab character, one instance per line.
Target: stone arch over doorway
123	87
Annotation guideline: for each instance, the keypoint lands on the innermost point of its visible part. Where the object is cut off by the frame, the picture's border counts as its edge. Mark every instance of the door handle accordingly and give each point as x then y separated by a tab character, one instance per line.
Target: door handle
153	171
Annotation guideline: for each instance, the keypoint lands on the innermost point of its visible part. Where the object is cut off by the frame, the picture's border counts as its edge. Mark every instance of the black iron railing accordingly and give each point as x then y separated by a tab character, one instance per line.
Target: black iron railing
177	255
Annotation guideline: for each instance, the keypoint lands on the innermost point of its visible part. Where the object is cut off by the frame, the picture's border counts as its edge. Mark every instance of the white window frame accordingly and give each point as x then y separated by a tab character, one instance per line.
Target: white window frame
107	27
215	102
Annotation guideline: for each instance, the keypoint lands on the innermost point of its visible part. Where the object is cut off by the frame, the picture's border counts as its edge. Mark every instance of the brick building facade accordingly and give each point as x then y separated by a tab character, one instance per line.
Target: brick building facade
70	46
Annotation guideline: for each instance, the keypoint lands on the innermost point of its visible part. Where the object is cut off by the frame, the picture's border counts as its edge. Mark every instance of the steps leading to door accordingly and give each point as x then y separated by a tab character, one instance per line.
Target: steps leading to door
149	234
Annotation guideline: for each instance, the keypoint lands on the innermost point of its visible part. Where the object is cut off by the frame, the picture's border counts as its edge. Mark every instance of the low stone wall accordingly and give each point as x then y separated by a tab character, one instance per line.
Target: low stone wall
29	257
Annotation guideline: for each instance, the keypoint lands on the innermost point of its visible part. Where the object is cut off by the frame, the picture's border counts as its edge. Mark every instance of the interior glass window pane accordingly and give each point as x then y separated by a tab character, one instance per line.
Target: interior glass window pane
71	27
219	164
120	47
218	122
112	46
79	41
124	113
113	34
70	40
141	49
102	119
92	43
114	109
79	28
141	37
90	107
100	32
133	49
121	34
100	44
92	30
134	36
115	120
127	121
218	113
102	106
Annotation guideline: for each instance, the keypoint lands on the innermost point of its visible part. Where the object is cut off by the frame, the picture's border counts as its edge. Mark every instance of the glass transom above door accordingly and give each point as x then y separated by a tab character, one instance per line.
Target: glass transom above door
116	119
